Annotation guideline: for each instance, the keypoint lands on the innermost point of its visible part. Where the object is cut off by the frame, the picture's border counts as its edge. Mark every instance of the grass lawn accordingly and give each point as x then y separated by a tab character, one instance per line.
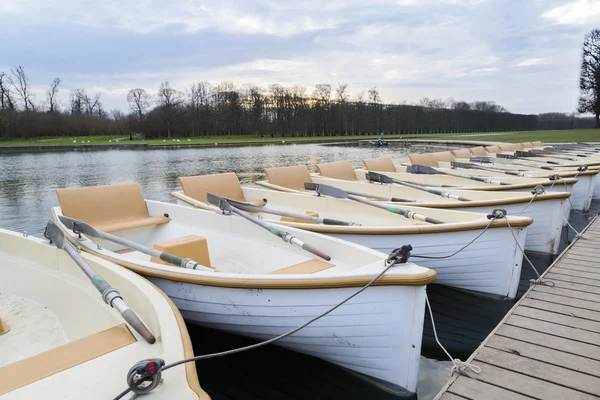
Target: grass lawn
581	135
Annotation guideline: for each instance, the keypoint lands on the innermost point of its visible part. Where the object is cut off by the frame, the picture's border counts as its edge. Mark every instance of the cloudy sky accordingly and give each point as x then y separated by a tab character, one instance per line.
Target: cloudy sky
523	54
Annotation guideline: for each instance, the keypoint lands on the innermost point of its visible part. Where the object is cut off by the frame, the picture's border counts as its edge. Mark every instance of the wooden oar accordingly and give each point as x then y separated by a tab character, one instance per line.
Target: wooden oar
81	227
506	161
530	157
287	237
338	193
110	295
456	164
426	170
520	153
556	153
377	177
268	210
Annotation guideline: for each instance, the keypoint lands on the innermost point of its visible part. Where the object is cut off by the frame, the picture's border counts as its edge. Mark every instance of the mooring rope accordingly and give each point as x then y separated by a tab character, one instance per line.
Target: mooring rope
539	280
458	366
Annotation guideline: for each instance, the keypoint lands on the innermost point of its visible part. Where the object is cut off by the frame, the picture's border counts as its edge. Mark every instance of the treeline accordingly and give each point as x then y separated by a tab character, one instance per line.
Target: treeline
224	109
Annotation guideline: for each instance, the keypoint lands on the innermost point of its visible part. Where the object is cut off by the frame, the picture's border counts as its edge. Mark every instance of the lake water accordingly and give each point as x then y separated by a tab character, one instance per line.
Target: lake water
27	185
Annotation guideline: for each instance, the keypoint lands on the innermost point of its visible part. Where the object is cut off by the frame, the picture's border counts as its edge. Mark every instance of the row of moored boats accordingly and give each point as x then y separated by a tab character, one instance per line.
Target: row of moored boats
219	260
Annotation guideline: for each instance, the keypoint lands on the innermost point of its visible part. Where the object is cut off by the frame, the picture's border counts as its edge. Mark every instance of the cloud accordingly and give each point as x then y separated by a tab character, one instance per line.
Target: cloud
520	54
529	62
579	12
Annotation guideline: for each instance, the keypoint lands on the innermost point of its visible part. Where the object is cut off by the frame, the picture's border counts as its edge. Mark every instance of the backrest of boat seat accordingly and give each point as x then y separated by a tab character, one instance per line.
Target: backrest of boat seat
462	153
289	177
478	151
527	145
511	147
382	164
338	170
538	144
443	156
105	206
223	185
493	149
423	159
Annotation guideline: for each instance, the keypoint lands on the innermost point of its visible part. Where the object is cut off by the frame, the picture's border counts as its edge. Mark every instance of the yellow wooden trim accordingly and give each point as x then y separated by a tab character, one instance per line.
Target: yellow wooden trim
191	373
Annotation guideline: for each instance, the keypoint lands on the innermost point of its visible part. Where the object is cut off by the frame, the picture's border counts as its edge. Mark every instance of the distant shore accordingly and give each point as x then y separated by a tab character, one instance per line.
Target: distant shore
111	143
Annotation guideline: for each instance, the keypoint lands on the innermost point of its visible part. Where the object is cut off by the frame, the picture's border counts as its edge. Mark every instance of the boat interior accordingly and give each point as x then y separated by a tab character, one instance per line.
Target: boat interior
223	244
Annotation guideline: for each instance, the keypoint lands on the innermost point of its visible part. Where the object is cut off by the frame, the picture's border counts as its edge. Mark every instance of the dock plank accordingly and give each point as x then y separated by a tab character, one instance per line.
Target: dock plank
540	370
560	319
474	389
554	342
545	354
548	346
561	309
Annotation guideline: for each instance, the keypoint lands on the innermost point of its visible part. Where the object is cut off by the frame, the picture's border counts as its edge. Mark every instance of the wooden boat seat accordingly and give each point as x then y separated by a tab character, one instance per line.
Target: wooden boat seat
43	365
108	208
382	164
537	144
511	147
193	247
478	151
337	170
289	177
527	145
225	185
423	159
462	153
306	267
493	149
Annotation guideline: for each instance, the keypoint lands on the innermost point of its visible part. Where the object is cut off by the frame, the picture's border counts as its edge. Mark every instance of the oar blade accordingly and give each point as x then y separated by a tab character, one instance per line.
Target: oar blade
326	190
79	226
218	201
421	169
377	177
55	234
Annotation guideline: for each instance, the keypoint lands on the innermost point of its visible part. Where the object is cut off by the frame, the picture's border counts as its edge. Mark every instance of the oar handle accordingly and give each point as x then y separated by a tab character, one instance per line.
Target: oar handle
172	259
132	319
329	221
400	200
315	251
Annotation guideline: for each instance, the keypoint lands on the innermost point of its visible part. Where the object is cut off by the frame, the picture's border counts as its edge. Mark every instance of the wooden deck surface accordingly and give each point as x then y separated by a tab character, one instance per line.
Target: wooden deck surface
548	345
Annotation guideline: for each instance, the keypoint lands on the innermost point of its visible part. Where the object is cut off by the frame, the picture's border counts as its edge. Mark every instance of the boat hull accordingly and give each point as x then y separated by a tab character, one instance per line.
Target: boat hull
492	264
378	333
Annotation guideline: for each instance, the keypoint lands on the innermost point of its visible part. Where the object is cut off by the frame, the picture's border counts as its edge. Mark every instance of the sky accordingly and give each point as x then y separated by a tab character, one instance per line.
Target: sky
522	54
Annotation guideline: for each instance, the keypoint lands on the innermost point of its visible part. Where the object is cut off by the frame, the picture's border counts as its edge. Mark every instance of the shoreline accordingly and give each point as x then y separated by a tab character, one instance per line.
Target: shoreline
158	146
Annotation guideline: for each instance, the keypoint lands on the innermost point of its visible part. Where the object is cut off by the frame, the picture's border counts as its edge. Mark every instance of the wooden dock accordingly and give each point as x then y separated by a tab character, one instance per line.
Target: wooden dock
548	345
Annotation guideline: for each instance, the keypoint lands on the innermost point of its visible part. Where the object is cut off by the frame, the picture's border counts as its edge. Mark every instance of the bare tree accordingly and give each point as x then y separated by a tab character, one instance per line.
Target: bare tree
374	97
342	93
168	100
6	100
92	105
139	102
589	80
51	95
77	101
18	80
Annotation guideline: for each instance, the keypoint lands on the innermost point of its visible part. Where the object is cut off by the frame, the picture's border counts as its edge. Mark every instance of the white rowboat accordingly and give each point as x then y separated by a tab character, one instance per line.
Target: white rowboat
254	284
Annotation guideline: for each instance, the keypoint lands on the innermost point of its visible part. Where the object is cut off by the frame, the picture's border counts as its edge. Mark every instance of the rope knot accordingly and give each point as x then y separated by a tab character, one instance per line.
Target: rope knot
539	189
497	213
540	281
554	177
459	367
582	168
399	255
